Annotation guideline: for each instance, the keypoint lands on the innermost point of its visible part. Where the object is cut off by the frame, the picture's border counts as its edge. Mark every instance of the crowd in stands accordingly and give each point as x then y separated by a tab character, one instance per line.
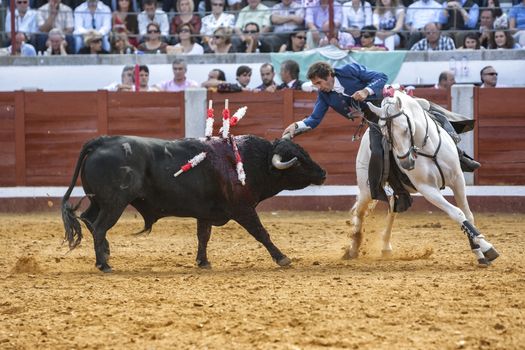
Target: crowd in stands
61	27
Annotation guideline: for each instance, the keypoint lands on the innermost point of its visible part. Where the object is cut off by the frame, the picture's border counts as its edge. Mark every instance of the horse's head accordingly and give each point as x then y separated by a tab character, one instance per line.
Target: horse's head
397	127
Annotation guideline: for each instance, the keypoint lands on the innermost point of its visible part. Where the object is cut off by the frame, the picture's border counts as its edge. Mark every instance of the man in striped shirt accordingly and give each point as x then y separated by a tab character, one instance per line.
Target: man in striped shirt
433	40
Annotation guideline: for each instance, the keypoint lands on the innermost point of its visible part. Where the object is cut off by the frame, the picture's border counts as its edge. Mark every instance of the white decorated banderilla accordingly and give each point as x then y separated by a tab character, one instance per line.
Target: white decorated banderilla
192	163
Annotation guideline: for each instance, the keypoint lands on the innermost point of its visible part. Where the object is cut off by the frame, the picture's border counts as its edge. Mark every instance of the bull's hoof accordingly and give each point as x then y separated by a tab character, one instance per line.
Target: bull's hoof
491	254
285	261
483	263
385	254
349	254
104	268
204	265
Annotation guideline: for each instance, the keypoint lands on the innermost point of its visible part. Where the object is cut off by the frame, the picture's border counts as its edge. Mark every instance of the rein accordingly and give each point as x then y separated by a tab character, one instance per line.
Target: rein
414	150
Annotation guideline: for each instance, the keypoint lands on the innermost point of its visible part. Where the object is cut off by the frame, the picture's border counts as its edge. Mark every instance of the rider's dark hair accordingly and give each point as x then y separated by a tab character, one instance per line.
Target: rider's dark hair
320	70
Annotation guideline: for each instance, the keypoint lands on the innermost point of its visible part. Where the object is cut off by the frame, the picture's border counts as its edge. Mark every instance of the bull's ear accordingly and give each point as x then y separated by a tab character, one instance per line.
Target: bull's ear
376	110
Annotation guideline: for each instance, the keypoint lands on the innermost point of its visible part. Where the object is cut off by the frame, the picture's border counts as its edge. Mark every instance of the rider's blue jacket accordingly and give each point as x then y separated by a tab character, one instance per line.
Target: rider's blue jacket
353	77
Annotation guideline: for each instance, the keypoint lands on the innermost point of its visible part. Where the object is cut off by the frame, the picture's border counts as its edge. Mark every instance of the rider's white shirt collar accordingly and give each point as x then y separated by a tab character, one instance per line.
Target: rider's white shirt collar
338	87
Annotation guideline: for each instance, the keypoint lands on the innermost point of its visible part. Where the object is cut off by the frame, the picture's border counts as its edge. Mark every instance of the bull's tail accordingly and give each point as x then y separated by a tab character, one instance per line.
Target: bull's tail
73	230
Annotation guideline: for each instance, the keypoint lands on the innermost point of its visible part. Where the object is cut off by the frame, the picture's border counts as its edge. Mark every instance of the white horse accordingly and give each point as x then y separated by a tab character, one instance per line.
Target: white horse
428	156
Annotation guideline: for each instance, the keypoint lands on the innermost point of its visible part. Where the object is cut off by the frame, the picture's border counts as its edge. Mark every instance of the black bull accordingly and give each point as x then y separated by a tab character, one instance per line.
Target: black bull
121	170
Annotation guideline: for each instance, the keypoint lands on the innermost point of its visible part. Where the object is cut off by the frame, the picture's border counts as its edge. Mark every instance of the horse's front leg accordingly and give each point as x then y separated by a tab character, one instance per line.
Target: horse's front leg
386	251
477	241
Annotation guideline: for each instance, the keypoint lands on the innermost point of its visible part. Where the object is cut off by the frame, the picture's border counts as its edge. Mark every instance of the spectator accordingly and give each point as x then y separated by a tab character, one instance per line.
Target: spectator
486	25
127	80
502	39
296	42
153	42
256	13
489	77
216	19
356	15
286	17
120	44
251	41
187	44
221	41
434	40
167	6
389	18
152	14
419	14
459	15
185	15
92	15
339	39
54	14
92	43
316	16
446	80
56	43
243	77
124	20
144	79
215	77
25	19
367	40
290	76
500	18
22	47
470	42
267	76
179	81
517	22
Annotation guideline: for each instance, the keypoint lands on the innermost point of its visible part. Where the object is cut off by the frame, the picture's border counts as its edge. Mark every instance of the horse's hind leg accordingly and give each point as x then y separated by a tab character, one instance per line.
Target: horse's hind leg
358	214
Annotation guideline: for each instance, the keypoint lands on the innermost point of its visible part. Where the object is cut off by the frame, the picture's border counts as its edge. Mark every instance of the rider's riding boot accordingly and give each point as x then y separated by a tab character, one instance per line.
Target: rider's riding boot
467	163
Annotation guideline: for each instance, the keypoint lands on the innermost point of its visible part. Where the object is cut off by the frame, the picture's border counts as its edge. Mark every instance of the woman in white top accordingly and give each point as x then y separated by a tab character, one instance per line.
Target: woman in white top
389	18
217	18
356	15
187	44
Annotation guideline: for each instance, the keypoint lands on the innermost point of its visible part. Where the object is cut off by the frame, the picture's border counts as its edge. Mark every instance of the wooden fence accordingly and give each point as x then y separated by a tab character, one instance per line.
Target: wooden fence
41	133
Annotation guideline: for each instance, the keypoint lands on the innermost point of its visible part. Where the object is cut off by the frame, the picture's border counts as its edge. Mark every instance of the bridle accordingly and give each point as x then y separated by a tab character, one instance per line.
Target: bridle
413	149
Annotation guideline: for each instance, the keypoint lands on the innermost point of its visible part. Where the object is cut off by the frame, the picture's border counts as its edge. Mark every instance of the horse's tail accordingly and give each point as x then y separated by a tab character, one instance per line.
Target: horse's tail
73	230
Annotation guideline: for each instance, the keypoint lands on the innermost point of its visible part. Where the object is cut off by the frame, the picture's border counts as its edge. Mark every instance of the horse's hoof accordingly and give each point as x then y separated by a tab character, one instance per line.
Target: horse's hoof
105	268
285	261
483	262
204	265
386	253
348	255
491	254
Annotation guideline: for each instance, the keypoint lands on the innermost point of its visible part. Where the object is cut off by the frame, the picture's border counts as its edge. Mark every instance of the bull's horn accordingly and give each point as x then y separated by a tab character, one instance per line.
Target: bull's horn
376	110
276	162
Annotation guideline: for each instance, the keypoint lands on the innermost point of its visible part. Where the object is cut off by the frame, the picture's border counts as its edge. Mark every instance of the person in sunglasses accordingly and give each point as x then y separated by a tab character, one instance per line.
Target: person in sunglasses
184	16
221	41
489	77
92	44
54	14
296	42
25	19
187	44
251	40
152	14
153	42
367	40
287	16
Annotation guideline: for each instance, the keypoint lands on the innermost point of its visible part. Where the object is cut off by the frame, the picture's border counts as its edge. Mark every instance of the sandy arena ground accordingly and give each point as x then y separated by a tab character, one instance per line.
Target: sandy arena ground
429	295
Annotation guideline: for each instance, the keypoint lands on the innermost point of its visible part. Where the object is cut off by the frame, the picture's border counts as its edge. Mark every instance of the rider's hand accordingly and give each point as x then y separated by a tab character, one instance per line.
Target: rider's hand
360	95
290	130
